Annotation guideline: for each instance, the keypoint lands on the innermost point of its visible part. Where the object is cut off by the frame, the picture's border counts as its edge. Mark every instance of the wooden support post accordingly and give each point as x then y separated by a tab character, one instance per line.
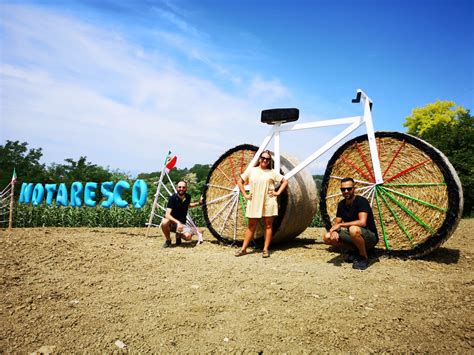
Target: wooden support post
10	219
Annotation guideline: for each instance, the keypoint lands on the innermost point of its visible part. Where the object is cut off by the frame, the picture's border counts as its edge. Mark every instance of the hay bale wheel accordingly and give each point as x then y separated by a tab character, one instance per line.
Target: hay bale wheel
224	206
420	202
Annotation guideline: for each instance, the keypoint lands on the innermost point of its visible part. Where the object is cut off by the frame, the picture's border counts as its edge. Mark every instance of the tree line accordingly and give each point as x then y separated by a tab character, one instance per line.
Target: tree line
450	128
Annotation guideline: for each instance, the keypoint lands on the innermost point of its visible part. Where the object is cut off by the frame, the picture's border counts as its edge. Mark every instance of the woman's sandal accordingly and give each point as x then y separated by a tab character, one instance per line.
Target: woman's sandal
240	252
265	254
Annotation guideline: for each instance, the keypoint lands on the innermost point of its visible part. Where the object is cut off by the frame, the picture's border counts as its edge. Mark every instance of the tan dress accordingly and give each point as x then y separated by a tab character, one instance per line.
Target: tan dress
261	182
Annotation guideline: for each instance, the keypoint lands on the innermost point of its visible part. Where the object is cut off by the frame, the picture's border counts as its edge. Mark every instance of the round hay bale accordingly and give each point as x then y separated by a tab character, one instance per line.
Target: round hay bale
224	206
418	206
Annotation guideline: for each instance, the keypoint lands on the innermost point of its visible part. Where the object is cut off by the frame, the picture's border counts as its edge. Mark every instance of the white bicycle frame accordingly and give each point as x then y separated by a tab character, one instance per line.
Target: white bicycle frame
354	123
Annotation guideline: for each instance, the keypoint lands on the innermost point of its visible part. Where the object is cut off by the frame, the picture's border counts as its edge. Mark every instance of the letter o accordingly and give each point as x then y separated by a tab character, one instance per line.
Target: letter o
38	194
139	193
50	190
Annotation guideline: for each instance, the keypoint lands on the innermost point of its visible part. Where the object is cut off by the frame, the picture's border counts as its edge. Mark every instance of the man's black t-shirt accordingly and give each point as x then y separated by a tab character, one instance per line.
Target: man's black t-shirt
351	213
179	208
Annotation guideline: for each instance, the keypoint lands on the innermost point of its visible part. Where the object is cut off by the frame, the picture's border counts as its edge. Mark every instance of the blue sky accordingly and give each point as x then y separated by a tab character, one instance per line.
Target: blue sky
122	82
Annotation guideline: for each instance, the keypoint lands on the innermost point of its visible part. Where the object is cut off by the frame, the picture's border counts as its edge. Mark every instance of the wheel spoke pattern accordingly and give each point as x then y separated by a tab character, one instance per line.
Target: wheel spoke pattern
420	203
224	207
225	211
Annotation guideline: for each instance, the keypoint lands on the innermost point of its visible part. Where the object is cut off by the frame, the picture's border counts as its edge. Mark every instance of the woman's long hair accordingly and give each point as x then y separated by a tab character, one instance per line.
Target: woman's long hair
270	166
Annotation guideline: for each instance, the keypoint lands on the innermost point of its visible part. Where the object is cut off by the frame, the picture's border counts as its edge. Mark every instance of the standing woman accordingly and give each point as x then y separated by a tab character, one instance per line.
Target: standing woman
262	199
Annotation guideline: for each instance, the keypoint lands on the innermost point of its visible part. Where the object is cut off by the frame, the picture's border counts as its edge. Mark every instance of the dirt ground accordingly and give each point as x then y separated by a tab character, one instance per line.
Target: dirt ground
114	290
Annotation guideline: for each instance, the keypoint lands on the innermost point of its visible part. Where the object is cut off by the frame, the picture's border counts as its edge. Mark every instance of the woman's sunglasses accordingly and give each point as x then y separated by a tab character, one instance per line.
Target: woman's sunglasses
265	158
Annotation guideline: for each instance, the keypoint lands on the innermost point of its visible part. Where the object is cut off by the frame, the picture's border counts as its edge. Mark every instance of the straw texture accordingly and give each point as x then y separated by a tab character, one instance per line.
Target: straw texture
224	211
420	202
225	218
300	202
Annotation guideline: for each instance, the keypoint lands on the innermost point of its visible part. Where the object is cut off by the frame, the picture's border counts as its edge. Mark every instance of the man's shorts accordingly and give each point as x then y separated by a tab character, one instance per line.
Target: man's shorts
186	229
370	237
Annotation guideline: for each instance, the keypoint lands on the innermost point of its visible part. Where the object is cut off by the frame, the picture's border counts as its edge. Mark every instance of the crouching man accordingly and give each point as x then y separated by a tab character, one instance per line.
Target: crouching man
175	217
354	226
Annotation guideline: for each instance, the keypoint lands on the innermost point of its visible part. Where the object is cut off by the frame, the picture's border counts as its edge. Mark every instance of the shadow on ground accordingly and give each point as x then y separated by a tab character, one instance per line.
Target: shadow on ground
443	256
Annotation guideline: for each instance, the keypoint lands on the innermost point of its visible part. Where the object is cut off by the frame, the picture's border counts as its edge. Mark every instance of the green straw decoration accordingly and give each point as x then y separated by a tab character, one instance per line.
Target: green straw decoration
242	204
395	215
417	184
385	238
417	200
409	212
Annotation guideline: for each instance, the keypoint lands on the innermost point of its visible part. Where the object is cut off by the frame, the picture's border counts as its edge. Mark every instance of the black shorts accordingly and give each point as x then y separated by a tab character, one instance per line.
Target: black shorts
370	237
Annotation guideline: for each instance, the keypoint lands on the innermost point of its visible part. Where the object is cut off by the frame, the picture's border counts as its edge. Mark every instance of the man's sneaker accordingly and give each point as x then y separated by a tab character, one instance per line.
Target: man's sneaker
167	244
178	241
360	263
351	256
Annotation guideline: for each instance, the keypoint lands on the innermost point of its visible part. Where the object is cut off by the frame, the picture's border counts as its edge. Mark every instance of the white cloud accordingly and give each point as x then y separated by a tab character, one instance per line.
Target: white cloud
196	50
85	91
267	90
76	89
179	22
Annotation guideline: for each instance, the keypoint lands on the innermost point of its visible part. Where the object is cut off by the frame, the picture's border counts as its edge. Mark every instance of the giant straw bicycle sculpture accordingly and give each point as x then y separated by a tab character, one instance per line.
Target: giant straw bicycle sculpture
414	191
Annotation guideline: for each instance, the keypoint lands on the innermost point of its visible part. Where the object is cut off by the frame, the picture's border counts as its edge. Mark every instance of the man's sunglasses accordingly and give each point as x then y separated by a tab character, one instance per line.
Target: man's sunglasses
265	158
344	189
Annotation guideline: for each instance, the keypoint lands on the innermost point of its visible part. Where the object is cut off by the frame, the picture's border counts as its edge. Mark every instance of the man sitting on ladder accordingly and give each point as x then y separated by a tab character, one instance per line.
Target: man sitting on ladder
175	217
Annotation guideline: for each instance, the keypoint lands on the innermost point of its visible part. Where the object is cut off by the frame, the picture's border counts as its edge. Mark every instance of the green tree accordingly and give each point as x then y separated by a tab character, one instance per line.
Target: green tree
456	141
449	128
318	180
196	177
440	112
79	170
201	171
26	162
83	171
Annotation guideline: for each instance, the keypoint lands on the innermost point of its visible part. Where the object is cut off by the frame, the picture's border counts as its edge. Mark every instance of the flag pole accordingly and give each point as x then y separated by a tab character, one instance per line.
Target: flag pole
10	219
150	220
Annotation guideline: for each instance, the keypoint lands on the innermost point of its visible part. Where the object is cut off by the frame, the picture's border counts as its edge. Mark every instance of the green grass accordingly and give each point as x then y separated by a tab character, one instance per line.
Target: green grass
54	216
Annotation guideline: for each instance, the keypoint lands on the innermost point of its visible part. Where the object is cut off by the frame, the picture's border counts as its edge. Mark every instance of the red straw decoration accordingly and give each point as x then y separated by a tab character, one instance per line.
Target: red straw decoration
369	169
393	159
232	167
356	168
408	170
